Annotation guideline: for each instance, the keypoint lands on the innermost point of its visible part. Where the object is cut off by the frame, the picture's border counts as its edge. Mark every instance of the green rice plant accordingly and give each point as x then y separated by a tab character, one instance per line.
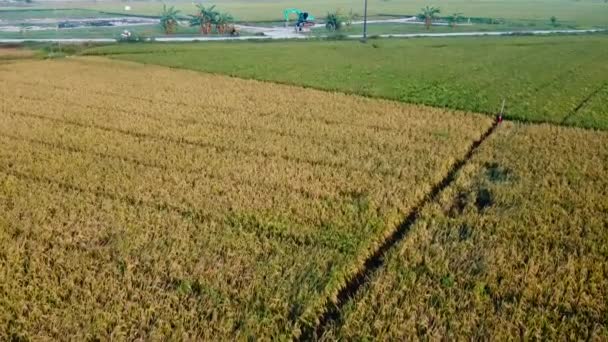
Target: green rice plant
542	79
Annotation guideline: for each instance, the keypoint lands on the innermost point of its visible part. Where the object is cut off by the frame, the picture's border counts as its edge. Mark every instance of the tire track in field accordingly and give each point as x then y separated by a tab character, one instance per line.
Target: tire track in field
583	102
375	261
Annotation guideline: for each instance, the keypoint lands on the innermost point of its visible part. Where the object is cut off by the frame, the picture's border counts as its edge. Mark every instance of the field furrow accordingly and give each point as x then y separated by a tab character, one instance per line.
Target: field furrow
592	111
515	247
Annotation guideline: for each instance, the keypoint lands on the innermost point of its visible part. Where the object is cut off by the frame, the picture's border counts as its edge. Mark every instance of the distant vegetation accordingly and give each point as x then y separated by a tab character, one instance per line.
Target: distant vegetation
455	18
334	21
428	14
208	19
169	19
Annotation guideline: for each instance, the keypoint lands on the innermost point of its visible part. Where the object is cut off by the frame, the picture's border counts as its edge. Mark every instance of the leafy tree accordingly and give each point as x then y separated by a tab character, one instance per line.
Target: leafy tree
168	19
428	14
205	18
454	19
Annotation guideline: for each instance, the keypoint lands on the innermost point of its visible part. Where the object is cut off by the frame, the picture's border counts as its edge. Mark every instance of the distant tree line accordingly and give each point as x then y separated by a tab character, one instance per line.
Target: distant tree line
207	19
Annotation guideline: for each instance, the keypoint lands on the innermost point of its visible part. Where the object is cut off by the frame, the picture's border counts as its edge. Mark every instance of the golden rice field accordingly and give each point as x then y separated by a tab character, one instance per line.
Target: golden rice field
515	248
140	202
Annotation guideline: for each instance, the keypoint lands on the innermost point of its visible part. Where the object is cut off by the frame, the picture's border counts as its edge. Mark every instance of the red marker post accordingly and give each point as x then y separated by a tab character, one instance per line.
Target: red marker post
502	111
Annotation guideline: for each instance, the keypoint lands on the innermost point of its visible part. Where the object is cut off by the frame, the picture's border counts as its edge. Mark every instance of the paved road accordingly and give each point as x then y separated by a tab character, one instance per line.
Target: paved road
293	35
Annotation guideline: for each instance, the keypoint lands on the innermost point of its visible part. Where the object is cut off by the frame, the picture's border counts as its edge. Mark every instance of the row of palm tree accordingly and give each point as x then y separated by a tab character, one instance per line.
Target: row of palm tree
168	19
206	19
429	13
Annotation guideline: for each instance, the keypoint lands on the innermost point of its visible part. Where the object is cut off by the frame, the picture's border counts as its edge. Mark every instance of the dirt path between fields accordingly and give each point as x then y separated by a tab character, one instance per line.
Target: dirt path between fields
286	34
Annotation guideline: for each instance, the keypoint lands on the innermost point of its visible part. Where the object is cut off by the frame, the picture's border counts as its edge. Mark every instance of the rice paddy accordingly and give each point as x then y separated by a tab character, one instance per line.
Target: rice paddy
140	202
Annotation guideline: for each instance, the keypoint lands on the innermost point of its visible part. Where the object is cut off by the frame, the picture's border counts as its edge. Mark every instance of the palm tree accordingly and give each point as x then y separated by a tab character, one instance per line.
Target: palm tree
168	19
454	19
205	18
428	14
222	20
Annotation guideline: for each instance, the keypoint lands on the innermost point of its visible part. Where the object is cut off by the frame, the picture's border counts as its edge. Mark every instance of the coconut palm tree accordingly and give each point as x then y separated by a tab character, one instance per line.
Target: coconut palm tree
428	14
168	19
222	20
205	18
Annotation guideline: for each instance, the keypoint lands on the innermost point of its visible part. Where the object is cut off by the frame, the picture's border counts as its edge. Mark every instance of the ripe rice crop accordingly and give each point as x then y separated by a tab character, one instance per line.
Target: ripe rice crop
516	248
144	202
8	54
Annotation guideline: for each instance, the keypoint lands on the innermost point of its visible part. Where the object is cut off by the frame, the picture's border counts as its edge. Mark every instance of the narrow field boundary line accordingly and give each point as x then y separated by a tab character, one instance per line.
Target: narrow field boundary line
346	92
332	312
113	95
455	77
71	149
145	164
582	104
185	210
105	93
163	39
556	78
219	148
195	215
192	121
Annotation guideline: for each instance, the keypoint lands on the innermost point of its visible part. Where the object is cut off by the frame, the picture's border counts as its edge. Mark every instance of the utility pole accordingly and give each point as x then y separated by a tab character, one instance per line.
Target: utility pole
365	22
